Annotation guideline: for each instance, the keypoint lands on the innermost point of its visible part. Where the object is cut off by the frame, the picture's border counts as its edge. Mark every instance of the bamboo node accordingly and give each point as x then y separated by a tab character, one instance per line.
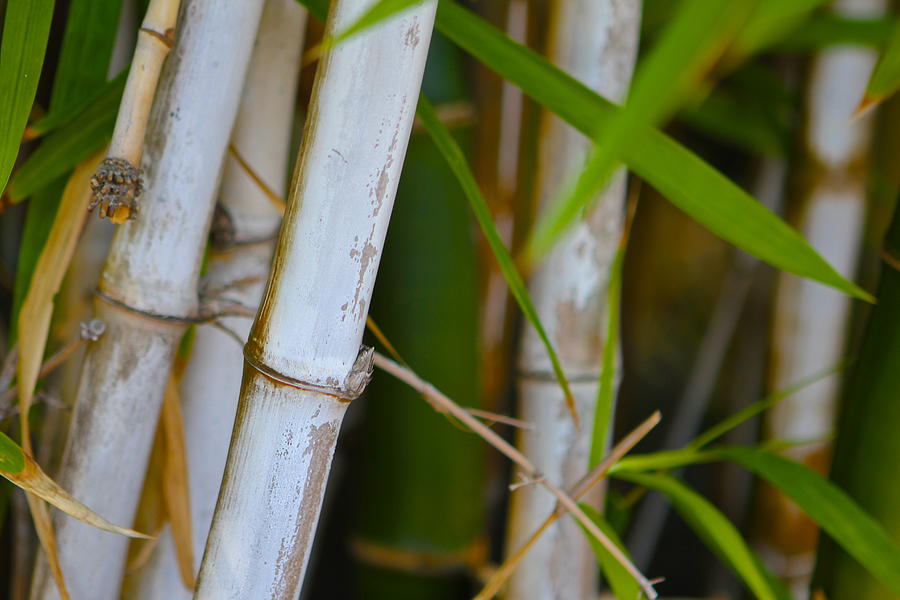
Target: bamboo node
361	373
167	37
115	188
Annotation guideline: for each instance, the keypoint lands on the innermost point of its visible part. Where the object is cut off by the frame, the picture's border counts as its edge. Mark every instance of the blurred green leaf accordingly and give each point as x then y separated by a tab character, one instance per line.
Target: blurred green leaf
829	506
770	21
456	159
622	583
886	77
715	530
80	76
72	138
826	29
25	31
730	118
688	48
681	176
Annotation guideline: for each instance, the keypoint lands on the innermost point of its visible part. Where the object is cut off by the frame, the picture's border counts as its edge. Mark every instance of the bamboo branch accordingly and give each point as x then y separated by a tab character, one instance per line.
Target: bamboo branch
585	484
118	181
410	378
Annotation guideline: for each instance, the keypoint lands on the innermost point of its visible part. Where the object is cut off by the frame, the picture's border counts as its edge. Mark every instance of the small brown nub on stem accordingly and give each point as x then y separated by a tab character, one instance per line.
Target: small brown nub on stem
115	188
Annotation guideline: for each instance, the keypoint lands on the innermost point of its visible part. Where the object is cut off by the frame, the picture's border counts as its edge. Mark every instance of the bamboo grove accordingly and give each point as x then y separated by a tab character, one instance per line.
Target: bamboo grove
530	299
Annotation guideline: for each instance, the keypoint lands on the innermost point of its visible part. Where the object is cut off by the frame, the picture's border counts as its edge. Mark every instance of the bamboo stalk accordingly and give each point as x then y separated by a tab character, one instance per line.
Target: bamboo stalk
809	321
303	360
119	180
244	238
597	43
148	291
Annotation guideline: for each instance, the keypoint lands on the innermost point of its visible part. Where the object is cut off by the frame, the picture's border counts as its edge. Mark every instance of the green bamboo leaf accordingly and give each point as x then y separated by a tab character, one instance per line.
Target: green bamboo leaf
377	13
12	457
748	412
662	460
686	180
622	583
454	156
72	138
885	78
823	30
829	506
716	531
688	48
770	22
740	122
603	412
25	32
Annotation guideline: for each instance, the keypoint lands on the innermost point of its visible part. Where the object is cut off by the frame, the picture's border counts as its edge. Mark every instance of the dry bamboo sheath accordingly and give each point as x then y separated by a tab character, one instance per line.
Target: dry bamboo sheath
148	290
303	359
595	42
810	321
243	238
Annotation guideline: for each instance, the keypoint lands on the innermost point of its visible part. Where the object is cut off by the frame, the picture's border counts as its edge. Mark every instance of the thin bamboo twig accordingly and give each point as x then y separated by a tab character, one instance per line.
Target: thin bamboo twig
119	180
90	332
409	377
592	478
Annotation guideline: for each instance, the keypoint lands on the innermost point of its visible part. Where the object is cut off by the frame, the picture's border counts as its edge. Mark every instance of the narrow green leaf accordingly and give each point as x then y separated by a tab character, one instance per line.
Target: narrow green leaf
25	31
685	179
454	156
86	50
662	460
689	47
68	144
823	30
715	530
886	77
377	13
748	412
622	583
770	22
12	458
829	506
603	412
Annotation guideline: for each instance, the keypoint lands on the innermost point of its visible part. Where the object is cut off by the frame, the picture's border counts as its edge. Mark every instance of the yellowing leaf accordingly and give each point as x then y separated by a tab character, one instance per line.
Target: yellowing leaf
175	483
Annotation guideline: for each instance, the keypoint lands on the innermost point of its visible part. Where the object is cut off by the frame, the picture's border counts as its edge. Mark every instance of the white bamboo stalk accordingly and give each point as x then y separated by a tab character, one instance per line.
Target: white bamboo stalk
237	271
595	42
303	359
810	321
148	290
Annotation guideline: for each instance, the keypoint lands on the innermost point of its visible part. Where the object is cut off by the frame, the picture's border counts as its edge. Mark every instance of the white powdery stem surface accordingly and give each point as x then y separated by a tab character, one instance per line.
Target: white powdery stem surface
302	353
149	291
212	381
595	42
810	320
